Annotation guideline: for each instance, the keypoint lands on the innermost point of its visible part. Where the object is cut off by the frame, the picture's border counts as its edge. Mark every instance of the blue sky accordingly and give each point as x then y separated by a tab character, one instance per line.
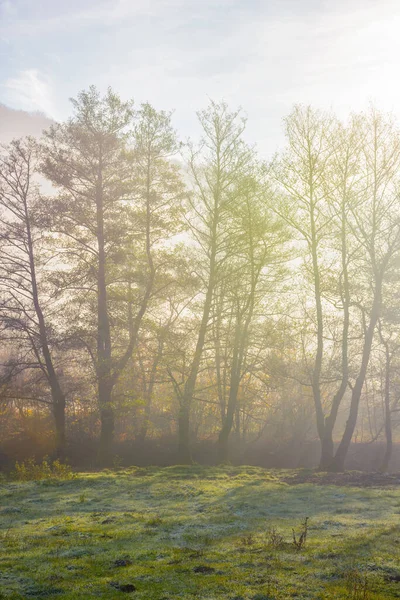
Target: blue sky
262	55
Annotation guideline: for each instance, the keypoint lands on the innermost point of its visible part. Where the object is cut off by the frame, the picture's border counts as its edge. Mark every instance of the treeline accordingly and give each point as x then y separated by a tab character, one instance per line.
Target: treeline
154	289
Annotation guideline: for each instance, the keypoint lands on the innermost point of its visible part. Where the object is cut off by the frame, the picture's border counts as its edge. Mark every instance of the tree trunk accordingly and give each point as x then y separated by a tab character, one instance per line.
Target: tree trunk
184	450
104	373
338	463
239	348
57	395
149	392
327	450
316	375
327	445
237	425
107	420
388	421
106	435
223	438
389	443
145	423
59	421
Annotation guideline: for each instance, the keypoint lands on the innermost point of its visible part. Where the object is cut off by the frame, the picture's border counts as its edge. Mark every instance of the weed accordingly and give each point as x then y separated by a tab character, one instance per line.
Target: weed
275	539
357	585
246	540
300	542
117	462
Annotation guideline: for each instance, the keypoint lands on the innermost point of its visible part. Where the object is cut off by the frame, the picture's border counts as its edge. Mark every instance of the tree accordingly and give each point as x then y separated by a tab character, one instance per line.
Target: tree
338	192
85	159
344	182
28	306
215	168
252	272
391	348
375	224
305	185
117	202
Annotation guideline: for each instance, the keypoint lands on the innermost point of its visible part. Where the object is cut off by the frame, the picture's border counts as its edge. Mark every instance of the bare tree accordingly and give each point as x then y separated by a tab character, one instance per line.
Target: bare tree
375	224
215	168
302	174
28	307
252	272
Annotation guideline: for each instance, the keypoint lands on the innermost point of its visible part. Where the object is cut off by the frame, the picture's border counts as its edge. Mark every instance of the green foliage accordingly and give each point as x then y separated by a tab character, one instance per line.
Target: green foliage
30	470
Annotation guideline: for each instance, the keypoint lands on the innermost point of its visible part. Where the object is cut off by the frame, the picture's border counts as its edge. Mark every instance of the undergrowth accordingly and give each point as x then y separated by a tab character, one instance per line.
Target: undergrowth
30	470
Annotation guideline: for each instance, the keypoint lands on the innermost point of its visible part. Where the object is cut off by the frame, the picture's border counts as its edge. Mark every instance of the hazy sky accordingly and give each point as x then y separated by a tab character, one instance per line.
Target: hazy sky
263	55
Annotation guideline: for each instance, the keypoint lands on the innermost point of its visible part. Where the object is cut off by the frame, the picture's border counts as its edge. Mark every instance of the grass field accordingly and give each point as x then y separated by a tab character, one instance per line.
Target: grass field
197	532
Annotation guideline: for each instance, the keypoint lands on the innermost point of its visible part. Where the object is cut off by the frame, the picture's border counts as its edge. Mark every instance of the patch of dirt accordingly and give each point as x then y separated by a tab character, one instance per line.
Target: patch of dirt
123	562
204	569
128	588
349	478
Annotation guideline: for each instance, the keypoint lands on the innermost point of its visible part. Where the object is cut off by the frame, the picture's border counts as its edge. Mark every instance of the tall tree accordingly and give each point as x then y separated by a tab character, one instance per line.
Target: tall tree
339	194
343	185
117	204
303	190
86	160
252	272
28	306
375	224
215	169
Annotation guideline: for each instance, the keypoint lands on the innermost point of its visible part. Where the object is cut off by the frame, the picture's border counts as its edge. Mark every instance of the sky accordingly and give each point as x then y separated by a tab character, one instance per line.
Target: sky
262	55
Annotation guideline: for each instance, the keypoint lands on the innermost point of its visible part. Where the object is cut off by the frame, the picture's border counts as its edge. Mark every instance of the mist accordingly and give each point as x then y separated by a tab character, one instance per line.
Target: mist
199	300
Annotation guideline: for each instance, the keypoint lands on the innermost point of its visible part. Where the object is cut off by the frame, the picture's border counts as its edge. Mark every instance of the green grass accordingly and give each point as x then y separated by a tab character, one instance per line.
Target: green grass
61	539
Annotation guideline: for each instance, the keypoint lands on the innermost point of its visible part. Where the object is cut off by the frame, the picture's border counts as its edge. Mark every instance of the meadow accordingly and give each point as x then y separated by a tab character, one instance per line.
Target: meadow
238	533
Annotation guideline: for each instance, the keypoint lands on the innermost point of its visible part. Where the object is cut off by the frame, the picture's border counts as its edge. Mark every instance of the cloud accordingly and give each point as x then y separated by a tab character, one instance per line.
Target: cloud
177	53
18	123
30	91
6	8
84	14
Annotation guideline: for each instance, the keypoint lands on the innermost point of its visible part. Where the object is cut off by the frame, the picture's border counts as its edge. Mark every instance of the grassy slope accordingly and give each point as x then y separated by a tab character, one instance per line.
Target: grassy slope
61	539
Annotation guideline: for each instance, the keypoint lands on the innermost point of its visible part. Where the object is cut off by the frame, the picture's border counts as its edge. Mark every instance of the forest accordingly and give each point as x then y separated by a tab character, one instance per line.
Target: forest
165	301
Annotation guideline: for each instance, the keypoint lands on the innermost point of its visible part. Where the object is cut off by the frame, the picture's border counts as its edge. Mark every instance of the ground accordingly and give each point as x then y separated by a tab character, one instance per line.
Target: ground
199	532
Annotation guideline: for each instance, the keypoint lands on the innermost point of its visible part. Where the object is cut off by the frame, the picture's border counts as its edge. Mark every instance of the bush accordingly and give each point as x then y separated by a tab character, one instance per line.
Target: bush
30	470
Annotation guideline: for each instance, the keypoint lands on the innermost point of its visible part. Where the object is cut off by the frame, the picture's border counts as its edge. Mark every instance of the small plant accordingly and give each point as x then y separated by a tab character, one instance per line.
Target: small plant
275	539
61	470
30	470
82	498
357	585
247	540
117	462
300	542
